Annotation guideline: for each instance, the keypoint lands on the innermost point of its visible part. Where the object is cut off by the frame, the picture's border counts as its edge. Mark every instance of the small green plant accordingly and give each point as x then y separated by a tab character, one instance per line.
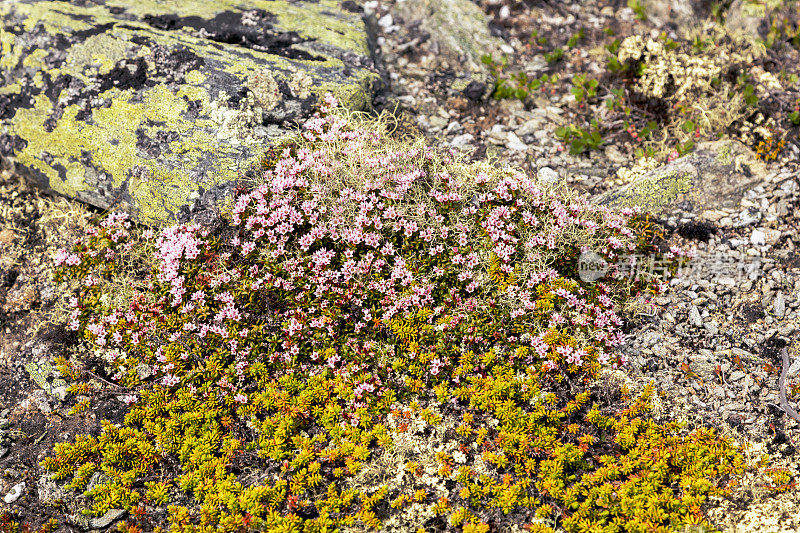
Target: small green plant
517	85
575	39
556	55
794	115
10	522
583	88
638	8
750	97
541	41
613	64
701	44
782	480
579	139
617	101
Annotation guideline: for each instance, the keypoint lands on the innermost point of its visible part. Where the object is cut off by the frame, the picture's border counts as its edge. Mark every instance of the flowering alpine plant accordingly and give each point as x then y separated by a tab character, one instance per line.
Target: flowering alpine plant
358	275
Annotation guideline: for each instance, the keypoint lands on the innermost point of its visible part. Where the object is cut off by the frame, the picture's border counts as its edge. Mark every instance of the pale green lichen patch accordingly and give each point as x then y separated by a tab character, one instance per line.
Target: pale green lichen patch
101	52
724	154
42	373
9	55
714	176
664	189
656	191
153	108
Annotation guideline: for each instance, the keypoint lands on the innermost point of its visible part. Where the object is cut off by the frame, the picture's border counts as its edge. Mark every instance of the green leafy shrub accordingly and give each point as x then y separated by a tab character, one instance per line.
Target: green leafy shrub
517	85
581	140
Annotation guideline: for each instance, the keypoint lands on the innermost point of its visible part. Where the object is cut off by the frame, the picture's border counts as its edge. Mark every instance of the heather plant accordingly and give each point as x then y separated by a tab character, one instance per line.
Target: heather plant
361	285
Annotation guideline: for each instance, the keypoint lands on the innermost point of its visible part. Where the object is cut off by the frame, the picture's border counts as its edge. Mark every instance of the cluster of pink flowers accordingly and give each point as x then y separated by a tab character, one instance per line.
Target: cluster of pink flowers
290	216
176	243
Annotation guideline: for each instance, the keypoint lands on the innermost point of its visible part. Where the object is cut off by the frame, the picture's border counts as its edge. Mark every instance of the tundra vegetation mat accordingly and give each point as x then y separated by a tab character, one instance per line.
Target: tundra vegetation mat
366	290
401	347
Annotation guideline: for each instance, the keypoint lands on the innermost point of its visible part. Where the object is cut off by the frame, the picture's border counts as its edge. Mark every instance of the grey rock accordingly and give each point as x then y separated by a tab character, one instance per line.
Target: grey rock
548	176
107	519
498	134
529	127
80	520
772	236
757	238
514	143
460	141
386	21
60	392
614	155
682	13
437	122
459	30
454	127
141	106
41	400
748	217
48	491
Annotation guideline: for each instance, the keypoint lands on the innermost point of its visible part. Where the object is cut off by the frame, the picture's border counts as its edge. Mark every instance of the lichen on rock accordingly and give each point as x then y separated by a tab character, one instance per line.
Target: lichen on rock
713	176
154	108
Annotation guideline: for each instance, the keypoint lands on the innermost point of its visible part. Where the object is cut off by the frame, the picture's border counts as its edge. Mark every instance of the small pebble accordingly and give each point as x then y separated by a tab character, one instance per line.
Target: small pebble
757	238
548	175
779	306
694	317
15	492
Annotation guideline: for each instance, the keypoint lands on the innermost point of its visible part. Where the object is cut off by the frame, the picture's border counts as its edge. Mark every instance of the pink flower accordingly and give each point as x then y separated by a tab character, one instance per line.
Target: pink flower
169	380
129	399
576	357
240	398
564	350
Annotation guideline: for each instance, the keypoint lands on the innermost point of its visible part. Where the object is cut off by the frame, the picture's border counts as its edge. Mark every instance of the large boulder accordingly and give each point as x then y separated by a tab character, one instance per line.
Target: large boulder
713	177
456	34
154	106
